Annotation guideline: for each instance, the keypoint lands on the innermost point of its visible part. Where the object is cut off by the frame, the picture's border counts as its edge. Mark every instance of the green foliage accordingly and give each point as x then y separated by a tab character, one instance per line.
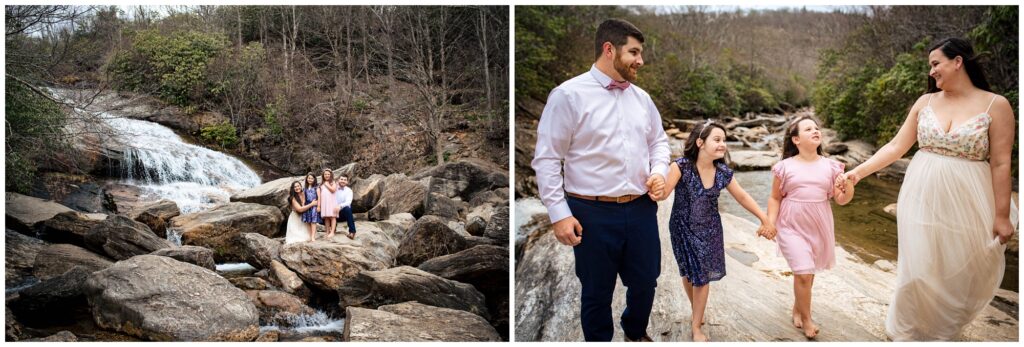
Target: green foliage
224	134
174	66
360	105
889	96
270	121
33	127
540	30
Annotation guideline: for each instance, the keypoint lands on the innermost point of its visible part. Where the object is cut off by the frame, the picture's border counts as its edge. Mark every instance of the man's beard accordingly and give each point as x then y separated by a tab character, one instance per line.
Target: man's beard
623	69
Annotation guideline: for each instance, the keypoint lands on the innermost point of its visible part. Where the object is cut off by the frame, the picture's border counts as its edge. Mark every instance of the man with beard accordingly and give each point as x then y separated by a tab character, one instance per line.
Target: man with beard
605	134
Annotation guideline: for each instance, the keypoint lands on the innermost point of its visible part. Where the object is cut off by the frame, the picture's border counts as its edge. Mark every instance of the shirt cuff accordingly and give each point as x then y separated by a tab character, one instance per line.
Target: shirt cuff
661	169
559	211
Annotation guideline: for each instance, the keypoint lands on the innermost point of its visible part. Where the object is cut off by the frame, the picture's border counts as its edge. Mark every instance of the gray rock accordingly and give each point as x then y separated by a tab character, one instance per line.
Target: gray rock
326	264
161	299
276	307
218	228
497	227
401	195
200	256
396	285
54	260
89	197
479	174
259	250
494	197
366	193
414	322
54	301
288	280
20	256
157	215
486	268
440	205
477	219
273	193
62	336
349	170
429	237
68	227
249	283
24	212
121	238
448	188
893	172
753	160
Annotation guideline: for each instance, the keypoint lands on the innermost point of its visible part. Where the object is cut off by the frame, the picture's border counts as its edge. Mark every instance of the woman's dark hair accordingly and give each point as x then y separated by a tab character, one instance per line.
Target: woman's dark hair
702	131
616	31
953	47
305	181
292	195
789	148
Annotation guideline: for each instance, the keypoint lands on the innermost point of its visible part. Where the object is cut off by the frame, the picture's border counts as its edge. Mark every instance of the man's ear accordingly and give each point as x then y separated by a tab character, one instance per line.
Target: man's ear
608	49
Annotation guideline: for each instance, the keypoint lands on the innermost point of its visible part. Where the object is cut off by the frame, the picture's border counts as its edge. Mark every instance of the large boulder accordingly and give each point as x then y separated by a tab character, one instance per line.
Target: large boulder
286	278
414	322
857	151
494	197
89	197
162	299
56	259
277	307
480	175
895	171
55	301
430	237
497	227
366	192
440	205
156	215
486	268
69	227
373	289
218	228
121	238
326	264
446	187
753	160
349	170
24	212
259	250
199	256
19	256
477	219
401	195
273	193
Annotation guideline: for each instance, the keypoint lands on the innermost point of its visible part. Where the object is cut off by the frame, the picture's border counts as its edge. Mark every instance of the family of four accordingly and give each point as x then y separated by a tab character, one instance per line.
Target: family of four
602	162
323	203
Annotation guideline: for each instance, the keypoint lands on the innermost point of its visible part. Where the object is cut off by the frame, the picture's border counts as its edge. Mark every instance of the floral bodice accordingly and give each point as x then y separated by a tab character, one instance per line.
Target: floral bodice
968	140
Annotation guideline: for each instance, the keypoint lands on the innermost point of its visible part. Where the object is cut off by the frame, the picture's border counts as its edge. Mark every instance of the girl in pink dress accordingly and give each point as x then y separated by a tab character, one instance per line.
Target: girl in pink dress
803	183
328	207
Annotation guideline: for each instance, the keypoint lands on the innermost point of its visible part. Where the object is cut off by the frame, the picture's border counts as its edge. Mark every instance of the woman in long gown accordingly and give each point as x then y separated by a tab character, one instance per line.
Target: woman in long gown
296	230
953	208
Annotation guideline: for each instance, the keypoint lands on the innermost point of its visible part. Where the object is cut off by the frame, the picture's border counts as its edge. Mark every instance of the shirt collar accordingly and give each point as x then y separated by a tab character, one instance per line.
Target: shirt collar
601	78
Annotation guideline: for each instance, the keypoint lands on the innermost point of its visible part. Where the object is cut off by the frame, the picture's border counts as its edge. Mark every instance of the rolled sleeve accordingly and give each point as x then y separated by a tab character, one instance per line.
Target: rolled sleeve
554	134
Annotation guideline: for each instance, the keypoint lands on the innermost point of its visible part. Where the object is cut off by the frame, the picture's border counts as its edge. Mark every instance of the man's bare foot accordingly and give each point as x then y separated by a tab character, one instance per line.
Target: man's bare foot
351	236
810	329
698	335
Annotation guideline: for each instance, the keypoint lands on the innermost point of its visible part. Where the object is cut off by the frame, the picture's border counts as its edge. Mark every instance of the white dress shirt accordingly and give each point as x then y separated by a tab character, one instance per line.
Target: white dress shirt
611	141
343	197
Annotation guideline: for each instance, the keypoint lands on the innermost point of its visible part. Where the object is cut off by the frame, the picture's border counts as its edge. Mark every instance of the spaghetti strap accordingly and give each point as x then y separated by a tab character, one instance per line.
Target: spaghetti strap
930	99
991	102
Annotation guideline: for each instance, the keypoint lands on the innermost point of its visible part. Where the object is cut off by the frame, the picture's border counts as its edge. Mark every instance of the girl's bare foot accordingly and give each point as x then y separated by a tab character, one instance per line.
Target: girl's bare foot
797	321
810	329
698	335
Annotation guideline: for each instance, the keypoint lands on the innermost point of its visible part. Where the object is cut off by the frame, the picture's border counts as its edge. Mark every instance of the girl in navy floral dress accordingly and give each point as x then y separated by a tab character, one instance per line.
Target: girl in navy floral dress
312	215
695	225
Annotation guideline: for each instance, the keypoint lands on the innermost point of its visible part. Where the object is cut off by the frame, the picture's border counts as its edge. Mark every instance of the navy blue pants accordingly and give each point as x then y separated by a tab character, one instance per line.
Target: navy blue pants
619	240
346	213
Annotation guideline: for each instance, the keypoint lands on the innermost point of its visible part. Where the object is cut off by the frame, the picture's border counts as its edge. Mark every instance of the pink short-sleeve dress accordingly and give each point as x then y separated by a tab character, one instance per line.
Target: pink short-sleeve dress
328	207
806	230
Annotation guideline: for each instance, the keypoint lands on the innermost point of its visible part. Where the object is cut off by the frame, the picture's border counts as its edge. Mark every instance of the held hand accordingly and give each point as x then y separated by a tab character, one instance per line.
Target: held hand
770	232
568	231
841	182
852	178
1003	230
656	187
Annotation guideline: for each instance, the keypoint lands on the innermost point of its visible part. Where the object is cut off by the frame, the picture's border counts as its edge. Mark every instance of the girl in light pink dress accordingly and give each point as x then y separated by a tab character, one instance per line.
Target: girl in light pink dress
803	183
328	206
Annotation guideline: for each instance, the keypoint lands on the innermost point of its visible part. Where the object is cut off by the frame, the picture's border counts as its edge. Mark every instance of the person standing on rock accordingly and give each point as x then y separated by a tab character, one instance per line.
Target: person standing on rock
605	133
698	177
312	216
798	208
343	198
296	230
328	208
953	210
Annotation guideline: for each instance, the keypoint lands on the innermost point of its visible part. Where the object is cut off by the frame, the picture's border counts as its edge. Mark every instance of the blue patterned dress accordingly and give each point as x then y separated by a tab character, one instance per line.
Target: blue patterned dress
696	226
311	215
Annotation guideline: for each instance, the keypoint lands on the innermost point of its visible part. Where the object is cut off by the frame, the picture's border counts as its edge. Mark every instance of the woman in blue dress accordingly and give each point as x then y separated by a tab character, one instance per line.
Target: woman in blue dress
695	225
311	216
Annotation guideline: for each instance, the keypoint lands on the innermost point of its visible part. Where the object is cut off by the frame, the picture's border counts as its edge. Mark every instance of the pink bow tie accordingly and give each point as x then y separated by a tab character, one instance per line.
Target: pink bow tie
615	84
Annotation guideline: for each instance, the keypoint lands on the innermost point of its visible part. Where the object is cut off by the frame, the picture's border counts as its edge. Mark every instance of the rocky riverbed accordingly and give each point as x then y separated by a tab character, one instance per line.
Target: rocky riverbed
752	303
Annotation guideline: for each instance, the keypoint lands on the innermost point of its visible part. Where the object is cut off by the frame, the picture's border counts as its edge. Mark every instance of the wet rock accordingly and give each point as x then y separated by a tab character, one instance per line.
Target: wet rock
54	301
54	260
429	237
161	299
218	228
20	256
69	227
157	215
276	307
259	250
24	212
415	322
396	285
199	256
326	264
90	198
121	238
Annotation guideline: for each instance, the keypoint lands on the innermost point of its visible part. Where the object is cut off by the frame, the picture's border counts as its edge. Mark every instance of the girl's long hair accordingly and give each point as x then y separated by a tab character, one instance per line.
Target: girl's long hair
954	47
702	131
323	176
293	196
789	148
305	181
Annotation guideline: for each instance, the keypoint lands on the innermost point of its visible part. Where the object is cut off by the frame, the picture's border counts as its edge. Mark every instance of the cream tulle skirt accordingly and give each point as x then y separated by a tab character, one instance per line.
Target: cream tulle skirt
949	264
296	230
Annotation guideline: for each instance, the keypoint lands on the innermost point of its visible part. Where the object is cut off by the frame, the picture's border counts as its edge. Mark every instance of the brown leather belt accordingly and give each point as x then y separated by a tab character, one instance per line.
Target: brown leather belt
618	199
